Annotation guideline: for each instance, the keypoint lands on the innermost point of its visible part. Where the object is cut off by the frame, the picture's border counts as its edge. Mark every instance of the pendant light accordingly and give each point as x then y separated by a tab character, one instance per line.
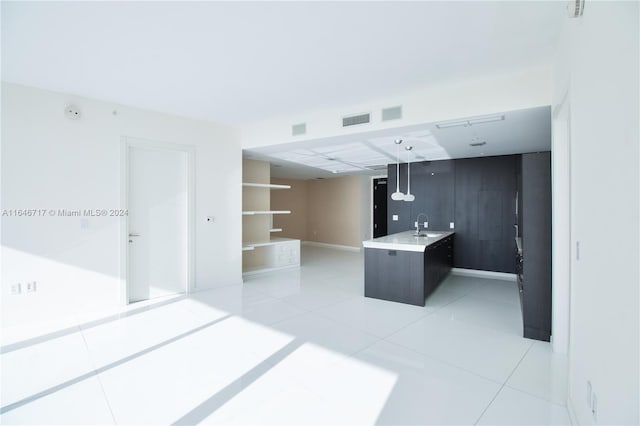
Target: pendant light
409	196
397	196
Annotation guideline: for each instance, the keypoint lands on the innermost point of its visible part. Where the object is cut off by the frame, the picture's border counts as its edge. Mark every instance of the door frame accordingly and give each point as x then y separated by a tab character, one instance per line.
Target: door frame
371	179
562	251
126	143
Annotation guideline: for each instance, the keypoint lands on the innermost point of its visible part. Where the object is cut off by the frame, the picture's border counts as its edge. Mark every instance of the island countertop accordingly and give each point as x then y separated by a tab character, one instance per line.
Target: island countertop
407	241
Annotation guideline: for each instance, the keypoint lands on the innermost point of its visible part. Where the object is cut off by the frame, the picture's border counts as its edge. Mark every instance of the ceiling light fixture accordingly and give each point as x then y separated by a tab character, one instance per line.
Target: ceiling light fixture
470	121
409	196
397	196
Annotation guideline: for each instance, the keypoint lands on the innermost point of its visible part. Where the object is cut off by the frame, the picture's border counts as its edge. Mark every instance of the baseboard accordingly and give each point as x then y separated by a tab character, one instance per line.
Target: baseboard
484	274
212	287
572	412
333	246
272	269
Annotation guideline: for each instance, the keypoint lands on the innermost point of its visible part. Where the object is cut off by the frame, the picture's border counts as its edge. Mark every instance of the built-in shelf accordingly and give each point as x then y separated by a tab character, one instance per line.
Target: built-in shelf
254	212
279	253
265	185
261	250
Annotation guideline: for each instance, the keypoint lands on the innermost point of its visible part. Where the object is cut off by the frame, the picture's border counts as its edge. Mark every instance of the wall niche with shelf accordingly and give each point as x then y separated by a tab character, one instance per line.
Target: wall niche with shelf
262	251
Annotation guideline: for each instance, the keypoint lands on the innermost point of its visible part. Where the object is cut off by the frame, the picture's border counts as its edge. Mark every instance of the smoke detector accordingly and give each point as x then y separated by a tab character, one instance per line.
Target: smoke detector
72	112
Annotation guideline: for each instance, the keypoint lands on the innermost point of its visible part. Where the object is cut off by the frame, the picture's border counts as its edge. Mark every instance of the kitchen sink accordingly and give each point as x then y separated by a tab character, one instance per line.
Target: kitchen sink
428	235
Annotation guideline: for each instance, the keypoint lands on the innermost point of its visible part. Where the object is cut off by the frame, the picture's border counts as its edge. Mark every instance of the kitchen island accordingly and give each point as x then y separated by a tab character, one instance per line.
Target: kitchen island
406	268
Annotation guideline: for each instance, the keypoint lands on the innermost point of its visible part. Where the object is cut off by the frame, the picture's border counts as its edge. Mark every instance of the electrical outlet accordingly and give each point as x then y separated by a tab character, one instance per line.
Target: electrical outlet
594	408
16	288
451	225
32	286
426	225
394	217
589	393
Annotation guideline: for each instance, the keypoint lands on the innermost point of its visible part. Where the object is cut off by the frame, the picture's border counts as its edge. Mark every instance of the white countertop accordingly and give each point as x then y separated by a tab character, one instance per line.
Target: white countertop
406	241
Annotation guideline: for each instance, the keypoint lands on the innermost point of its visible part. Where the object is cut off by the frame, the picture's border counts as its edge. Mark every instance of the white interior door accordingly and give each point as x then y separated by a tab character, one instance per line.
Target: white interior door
158	228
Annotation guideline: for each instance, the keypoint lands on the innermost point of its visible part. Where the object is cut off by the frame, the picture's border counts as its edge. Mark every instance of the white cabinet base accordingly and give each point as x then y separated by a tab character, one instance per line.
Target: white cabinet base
280	253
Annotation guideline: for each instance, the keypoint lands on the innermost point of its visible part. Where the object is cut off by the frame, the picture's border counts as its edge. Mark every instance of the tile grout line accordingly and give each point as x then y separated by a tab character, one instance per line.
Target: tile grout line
442	361
504	384
97	375
535	396
427	314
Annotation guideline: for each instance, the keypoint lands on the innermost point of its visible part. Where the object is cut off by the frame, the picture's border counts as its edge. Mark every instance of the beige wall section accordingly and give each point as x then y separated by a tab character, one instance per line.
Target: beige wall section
255	228
293	225
330	211
334	207
334	215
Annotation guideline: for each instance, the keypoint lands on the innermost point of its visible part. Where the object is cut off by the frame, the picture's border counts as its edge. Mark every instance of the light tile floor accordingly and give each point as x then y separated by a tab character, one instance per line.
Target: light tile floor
293	347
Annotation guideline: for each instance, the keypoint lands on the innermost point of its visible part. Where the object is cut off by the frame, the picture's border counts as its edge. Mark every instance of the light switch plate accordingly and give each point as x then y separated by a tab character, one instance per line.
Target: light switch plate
451	225
395	217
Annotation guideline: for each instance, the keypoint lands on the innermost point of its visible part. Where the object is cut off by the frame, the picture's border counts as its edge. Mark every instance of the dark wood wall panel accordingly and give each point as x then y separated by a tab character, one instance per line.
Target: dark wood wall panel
477	194
490	215
485	213
434	192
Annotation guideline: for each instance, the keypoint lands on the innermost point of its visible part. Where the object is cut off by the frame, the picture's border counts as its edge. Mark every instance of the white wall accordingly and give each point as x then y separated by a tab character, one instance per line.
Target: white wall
527	89
50	162
598	67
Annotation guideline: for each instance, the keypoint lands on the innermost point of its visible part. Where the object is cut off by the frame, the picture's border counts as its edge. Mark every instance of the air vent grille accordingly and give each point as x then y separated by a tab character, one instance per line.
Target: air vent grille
393	113
355	120
299	129
478	143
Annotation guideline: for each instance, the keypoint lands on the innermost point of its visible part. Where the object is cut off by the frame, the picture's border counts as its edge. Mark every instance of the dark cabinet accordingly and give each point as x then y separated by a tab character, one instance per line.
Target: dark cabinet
477	194
535	231
438	260
485	198
406	276
394	275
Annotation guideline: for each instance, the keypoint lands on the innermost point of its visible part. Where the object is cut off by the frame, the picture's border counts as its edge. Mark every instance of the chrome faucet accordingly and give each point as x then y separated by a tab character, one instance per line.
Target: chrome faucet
418	222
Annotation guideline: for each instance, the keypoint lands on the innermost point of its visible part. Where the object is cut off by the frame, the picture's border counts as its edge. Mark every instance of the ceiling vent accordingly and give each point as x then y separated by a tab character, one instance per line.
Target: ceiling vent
575	8
393	113
354	120
478	143
299	129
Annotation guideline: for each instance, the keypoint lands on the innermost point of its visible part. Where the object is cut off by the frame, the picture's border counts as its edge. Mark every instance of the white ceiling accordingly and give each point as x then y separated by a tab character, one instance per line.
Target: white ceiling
515	132
237	62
